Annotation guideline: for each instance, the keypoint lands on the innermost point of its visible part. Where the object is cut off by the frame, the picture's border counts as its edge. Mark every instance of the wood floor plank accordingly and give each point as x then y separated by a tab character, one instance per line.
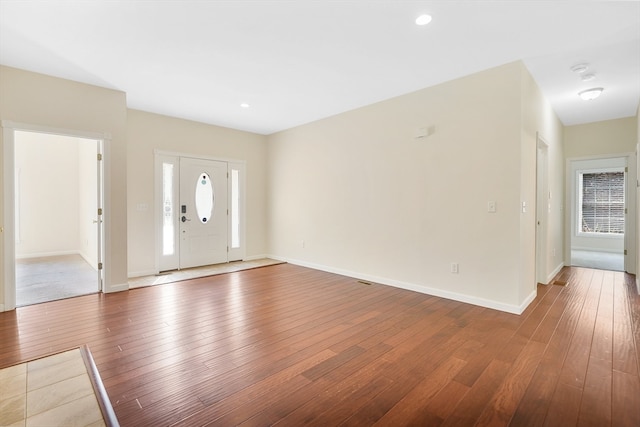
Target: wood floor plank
505	401
564	407
413	405
476	399
625	408
287	345
595	408
445	401
574	371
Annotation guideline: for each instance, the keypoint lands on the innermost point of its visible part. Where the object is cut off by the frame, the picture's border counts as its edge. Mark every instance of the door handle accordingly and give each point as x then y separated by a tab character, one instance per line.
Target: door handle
185	219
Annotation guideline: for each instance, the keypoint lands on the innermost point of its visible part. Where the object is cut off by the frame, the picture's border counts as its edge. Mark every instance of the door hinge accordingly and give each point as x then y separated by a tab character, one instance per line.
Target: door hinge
227	248
625	251
99	211
625	210
99	156
626	169
99	266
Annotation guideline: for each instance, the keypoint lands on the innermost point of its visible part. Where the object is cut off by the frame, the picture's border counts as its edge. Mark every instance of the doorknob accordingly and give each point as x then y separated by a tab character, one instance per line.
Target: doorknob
185	219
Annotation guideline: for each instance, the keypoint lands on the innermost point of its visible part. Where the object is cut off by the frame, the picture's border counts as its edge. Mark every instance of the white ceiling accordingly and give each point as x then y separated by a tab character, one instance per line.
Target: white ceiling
298	61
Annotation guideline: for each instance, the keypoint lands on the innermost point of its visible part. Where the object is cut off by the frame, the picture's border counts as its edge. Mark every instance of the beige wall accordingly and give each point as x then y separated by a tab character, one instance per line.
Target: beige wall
47	166
601	138
147	132
540	121
357	194
46	101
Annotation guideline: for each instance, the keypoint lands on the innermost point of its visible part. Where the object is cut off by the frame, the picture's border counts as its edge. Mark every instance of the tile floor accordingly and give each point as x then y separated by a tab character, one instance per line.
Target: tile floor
52	391
193	273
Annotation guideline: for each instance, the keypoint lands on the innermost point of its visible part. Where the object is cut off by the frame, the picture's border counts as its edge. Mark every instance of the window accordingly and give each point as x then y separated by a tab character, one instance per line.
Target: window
235	208
601	202
204	197
168	243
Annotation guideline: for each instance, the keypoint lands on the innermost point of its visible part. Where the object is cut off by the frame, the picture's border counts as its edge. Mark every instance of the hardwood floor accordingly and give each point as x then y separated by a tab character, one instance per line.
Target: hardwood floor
291	346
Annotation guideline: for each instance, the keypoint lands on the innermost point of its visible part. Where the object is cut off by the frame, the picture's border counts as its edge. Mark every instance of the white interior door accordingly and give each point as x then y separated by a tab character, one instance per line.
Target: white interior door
203	212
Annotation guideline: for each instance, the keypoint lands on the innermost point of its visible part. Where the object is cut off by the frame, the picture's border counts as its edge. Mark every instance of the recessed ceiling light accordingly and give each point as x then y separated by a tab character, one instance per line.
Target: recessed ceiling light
580	68
423	19
590	94
244	105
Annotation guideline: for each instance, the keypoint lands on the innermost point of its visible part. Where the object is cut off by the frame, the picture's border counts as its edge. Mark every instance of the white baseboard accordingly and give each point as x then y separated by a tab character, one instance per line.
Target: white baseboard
527	301
591	249
554	272
88	260
638	285
255	257
414	287
46	254
1	308
116	288
142	273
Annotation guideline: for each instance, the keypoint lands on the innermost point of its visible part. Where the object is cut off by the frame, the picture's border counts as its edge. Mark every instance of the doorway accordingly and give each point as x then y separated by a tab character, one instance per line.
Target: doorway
199	211
57	216
542	209
599	213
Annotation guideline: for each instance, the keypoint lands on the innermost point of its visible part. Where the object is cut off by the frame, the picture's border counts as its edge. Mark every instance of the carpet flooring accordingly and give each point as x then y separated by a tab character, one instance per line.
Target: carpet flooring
53	278
599	260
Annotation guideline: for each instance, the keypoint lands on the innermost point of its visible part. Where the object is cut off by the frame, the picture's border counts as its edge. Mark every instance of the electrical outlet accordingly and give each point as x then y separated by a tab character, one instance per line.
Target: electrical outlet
454	267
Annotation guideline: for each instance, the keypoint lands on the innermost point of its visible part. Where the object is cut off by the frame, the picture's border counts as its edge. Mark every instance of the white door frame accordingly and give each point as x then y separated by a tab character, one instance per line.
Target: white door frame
8	162
234	254
630	225
542	209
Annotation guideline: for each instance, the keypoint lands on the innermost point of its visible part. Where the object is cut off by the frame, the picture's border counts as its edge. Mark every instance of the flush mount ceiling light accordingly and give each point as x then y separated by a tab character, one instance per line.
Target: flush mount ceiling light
580	68
588	77
244	105
423	19
590	94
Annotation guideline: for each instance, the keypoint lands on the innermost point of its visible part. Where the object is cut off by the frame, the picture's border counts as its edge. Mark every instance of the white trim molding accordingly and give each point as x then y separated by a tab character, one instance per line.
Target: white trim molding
8	138
495	305
555	272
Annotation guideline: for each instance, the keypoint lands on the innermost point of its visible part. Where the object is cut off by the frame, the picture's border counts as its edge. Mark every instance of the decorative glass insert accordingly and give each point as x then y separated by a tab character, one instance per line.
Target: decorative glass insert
204	197
235	208
168	243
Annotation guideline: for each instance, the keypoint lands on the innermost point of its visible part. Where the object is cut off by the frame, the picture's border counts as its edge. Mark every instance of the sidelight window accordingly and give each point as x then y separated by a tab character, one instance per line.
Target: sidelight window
168	232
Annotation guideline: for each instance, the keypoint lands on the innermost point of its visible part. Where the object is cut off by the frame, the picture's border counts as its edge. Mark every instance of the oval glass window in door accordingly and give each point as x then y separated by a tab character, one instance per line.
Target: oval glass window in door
204	197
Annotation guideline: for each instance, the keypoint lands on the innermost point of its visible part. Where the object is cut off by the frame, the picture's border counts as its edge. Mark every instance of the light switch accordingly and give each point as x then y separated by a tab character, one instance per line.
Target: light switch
491	206
524	207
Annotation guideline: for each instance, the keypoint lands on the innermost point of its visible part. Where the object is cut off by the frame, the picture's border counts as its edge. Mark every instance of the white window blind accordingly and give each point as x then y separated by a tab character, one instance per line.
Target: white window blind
602	208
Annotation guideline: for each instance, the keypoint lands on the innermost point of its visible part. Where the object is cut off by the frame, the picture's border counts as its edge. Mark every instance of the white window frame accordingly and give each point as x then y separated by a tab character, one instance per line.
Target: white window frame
578	208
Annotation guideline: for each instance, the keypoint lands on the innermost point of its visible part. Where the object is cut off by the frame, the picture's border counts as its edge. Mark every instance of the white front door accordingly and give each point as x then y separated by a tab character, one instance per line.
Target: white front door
202	213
